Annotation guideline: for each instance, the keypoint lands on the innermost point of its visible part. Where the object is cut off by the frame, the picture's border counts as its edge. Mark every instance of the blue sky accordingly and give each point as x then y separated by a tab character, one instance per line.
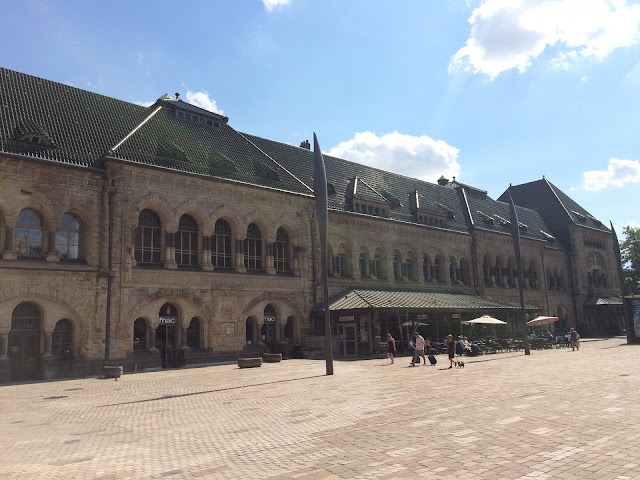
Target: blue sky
492	92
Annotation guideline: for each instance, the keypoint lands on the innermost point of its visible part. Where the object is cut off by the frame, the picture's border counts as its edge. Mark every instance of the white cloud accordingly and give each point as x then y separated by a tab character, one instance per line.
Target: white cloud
271	5
144	103
202	100
618	173
508	34
418	157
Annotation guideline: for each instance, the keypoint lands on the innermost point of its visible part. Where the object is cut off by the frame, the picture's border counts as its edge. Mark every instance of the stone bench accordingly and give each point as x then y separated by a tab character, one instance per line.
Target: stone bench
249	362
271	357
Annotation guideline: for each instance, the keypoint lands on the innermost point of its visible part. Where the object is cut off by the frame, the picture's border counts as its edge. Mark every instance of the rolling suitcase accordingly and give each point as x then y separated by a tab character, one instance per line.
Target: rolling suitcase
432	360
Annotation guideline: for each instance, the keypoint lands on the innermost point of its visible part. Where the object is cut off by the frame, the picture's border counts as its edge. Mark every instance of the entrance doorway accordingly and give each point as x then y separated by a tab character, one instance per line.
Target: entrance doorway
347	340
24	342
166	336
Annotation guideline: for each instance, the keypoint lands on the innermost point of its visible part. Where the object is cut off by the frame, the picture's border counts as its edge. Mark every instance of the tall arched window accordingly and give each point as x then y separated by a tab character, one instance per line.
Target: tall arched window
397	272
436	269
253	248
68	238
376	265
62	337
148	238
29	234
187	242
221	253
282	256
362	260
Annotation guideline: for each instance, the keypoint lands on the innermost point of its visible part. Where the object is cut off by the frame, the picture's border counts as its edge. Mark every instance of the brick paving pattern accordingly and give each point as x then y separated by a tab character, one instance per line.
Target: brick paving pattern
553	414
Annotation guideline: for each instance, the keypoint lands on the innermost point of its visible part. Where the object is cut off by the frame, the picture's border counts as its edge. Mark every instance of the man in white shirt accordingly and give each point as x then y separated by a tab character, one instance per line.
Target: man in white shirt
419	350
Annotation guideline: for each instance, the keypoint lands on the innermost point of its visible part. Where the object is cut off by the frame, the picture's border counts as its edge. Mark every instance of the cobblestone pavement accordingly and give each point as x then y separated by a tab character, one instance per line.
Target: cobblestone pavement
553	414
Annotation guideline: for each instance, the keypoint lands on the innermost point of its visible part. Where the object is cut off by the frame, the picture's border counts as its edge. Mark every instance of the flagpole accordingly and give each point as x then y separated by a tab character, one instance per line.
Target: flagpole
320	192
515	235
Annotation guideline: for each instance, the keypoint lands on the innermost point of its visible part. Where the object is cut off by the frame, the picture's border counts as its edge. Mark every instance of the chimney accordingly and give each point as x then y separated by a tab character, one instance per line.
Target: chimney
305	144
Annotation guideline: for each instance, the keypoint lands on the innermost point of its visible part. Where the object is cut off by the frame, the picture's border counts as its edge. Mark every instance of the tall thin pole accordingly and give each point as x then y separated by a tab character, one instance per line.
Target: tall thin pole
616	250
320	192
107	339
515	235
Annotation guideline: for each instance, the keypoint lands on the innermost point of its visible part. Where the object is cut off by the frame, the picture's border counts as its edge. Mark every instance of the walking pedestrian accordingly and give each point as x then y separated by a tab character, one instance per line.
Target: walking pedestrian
575	339
451	349
419	344
391	348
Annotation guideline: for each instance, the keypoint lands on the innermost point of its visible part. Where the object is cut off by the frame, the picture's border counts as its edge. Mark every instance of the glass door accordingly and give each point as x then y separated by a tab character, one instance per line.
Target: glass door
347	339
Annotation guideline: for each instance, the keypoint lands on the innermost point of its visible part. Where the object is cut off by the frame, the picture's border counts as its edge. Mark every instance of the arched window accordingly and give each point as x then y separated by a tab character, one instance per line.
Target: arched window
221	254
26	316
29	234
376	265
397	272
282	256
139	335
62	337
68	238
362	260
253	248
407	267
187	242
436	269
193	334
148	238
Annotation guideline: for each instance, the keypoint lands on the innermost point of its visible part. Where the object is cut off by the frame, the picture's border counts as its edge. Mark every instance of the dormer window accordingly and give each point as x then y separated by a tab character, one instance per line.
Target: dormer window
35	139
580	216
485	218
263	171
548	237
167	150
200	119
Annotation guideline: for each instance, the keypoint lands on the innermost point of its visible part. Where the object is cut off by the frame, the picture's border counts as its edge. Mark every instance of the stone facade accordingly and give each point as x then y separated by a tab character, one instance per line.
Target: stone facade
170	262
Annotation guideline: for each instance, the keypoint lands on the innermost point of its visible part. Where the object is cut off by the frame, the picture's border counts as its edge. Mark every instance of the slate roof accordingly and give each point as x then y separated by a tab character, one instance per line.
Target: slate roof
299	161
555	207
360	299
83	128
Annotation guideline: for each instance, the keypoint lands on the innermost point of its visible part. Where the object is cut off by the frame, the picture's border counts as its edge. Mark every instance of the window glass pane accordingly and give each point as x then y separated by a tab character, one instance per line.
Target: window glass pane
29	218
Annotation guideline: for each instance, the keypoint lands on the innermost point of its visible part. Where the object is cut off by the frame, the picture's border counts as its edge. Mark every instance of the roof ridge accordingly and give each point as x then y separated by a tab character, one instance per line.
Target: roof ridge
274	161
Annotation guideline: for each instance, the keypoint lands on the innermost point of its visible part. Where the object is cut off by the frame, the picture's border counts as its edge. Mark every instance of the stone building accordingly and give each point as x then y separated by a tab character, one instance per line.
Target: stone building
161	236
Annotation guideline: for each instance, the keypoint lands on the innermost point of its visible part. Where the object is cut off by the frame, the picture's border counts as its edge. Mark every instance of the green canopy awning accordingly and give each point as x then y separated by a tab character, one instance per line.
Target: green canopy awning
362	299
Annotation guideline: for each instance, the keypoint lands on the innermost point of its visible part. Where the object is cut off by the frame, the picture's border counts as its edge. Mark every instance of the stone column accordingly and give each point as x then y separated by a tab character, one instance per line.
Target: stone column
355	265
268	260
240	268
205	253
295	261
47	343
4	338
52	255
170	251
9	247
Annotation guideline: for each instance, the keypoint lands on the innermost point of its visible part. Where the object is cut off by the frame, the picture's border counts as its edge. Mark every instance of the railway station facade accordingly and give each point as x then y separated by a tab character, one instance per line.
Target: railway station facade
161	236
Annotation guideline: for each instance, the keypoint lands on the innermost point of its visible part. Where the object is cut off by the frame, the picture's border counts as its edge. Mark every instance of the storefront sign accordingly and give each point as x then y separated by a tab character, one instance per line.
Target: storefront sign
168	320
347	318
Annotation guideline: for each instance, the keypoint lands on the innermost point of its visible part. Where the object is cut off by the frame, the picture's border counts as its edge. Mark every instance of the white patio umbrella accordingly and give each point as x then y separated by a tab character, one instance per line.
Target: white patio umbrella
542	320
487	319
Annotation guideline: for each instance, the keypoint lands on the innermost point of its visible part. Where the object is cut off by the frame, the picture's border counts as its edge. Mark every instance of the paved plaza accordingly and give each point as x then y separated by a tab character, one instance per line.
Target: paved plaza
553	414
